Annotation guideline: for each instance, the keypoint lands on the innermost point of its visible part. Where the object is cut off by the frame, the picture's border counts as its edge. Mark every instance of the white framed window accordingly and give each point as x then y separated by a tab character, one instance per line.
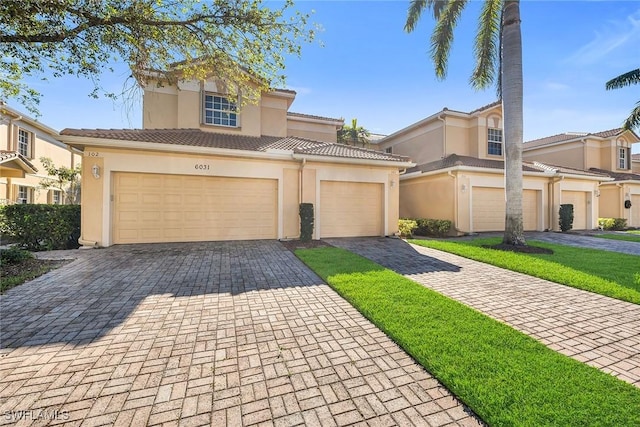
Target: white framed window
494	142
24	195
622	158
220	111
24	143
389	150
56	198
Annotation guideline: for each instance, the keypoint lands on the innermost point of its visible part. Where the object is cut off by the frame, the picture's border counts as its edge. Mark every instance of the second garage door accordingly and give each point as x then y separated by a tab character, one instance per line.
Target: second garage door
351	209
635	210
579	201
488	209
152	208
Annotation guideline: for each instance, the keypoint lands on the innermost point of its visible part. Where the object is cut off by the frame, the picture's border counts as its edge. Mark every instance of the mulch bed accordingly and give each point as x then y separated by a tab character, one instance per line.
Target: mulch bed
524	249
29	268
293	245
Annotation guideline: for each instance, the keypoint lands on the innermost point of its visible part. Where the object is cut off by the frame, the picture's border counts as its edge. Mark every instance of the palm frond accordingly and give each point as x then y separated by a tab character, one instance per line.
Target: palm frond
626	79
499	65
486	44
633	121
416	7
442	36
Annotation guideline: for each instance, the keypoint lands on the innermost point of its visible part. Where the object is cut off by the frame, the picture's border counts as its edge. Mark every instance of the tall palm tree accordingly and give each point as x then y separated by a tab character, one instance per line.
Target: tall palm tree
354	134
628	79
498	55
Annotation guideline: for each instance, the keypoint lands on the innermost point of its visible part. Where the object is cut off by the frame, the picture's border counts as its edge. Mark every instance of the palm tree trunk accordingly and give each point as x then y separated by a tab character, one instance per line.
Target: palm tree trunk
513	121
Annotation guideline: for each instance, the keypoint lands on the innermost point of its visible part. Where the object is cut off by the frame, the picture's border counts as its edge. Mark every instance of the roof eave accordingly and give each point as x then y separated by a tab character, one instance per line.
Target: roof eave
371	162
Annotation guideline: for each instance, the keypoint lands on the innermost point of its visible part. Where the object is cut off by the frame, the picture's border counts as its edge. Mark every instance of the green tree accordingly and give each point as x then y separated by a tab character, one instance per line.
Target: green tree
244	41
628	79
498	59
354	134
64	179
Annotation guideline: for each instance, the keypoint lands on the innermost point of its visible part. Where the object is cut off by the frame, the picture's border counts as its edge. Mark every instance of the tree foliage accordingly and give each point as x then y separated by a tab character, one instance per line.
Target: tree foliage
64	179
354	134
627	79
244	41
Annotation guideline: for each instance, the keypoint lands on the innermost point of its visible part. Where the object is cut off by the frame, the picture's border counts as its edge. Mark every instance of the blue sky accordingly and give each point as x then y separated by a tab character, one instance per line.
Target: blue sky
370	69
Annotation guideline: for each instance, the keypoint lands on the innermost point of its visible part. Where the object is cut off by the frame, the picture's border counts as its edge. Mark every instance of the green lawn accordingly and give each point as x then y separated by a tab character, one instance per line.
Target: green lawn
506	377
628	237
606	273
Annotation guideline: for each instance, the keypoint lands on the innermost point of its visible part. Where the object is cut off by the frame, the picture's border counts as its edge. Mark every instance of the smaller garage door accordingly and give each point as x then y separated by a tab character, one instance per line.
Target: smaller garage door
579	201
530	209
351	209
635	210
488	209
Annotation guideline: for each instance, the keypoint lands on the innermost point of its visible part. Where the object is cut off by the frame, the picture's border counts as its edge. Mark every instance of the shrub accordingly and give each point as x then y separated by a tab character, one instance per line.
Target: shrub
306	221
433	227
406	227
14	255
566	217
612	223
42	227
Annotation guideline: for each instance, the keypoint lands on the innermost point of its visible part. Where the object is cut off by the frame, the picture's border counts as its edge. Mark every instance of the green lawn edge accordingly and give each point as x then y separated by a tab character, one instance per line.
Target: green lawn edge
543	266
624	237
506	377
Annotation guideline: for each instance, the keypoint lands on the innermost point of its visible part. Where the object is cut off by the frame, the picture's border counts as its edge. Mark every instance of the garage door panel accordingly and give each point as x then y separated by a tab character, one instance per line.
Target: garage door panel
351	209
158	208
488	209
635	210
530	209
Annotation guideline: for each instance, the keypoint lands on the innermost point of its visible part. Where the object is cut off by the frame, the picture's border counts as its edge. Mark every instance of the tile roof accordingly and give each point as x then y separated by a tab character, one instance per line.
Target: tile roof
635	157
618	176
453	160
199	138
310	116
486	107
7	156
569	136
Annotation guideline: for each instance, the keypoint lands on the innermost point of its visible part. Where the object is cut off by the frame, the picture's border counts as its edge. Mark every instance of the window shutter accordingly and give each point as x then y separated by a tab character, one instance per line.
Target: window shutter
628	157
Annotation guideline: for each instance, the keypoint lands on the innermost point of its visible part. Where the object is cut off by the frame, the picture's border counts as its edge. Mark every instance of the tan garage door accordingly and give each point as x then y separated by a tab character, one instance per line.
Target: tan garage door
152	208
635	211
488	205
530	209
349	209
579	201
488	209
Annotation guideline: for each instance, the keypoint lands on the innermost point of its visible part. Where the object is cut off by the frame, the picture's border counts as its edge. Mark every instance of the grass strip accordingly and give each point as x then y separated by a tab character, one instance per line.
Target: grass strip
627	237
506	377
606	273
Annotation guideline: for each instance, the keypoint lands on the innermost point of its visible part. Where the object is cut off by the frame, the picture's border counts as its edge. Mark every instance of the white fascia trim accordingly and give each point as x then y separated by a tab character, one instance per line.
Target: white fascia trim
500	172
314	120
371	162
588	178
154	146
629	181
567	141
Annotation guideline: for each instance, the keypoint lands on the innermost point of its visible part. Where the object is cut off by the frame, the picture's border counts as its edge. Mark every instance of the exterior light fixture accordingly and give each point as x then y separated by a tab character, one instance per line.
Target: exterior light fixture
95	171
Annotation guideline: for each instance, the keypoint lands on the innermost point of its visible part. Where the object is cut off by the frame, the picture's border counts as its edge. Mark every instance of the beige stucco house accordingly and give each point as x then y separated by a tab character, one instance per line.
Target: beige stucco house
607	153
635	163
460	175
203	169
23	141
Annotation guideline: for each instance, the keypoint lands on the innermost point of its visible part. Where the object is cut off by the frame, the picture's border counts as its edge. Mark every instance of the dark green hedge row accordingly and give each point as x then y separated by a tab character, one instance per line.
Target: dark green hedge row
612	223
41	227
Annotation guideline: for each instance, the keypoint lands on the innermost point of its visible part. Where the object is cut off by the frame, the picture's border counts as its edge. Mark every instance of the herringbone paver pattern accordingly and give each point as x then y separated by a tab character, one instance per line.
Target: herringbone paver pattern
234	334
601	331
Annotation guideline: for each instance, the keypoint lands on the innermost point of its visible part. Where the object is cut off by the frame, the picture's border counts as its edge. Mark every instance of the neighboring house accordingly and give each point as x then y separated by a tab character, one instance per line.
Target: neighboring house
460	175
635	163
23	141
607	153
201	169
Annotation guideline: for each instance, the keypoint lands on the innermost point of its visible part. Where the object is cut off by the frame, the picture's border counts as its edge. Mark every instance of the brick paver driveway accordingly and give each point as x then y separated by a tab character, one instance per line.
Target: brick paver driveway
237	333
601	331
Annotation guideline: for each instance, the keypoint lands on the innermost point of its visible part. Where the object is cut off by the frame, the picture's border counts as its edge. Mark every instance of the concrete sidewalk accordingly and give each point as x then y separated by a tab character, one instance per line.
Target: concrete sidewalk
601	331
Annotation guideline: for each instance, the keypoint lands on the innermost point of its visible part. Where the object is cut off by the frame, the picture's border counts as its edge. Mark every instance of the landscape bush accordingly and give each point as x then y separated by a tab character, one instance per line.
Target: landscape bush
406	227
14	255
612	223
41	227
306	221
566	217
433	227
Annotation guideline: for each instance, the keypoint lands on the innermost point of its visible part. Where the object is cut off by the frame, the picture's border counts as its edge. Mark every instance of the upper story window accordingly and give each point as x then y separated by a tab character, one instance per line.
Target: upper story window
494	141
388	150
24	143
218	110
24	194
623	161
56	198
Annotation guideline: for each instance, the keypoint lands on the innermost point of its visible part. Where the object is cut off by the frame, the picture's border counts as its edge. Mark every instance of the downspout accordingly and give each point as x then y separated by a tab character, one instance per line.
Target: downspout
303	162
444	133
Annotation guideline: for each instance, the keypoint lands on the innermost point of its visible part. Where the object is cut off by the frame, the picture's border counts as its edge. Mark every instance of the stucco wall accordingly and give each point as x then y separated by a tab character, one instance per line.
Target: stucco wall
311	130
428	197
609	202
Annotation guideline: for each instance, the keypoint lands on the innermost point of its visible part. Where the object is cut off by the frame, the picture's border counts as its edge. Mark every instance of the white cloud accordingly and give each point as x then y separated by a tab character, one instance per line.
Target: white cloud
555	86
611	37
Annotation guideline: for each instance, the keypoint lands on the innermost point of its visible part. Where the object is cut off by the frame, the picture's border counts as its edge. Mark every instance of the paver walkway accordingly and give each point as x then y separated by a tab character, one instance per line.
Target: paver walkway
237	333
632	248
601	331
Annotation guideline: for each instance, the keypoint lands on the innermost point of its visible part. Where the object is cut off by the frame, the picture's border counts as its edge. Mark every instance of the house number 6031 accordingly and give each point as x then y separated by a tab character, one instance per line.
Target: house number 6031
202	167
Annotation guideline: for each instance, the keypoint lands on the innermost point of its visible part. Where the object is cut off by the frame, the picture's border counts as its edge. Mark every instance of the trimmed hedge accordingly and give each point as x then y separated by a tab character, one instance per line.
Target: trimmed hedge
433	227
566	217
612	223
42	227
306	221
406	227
